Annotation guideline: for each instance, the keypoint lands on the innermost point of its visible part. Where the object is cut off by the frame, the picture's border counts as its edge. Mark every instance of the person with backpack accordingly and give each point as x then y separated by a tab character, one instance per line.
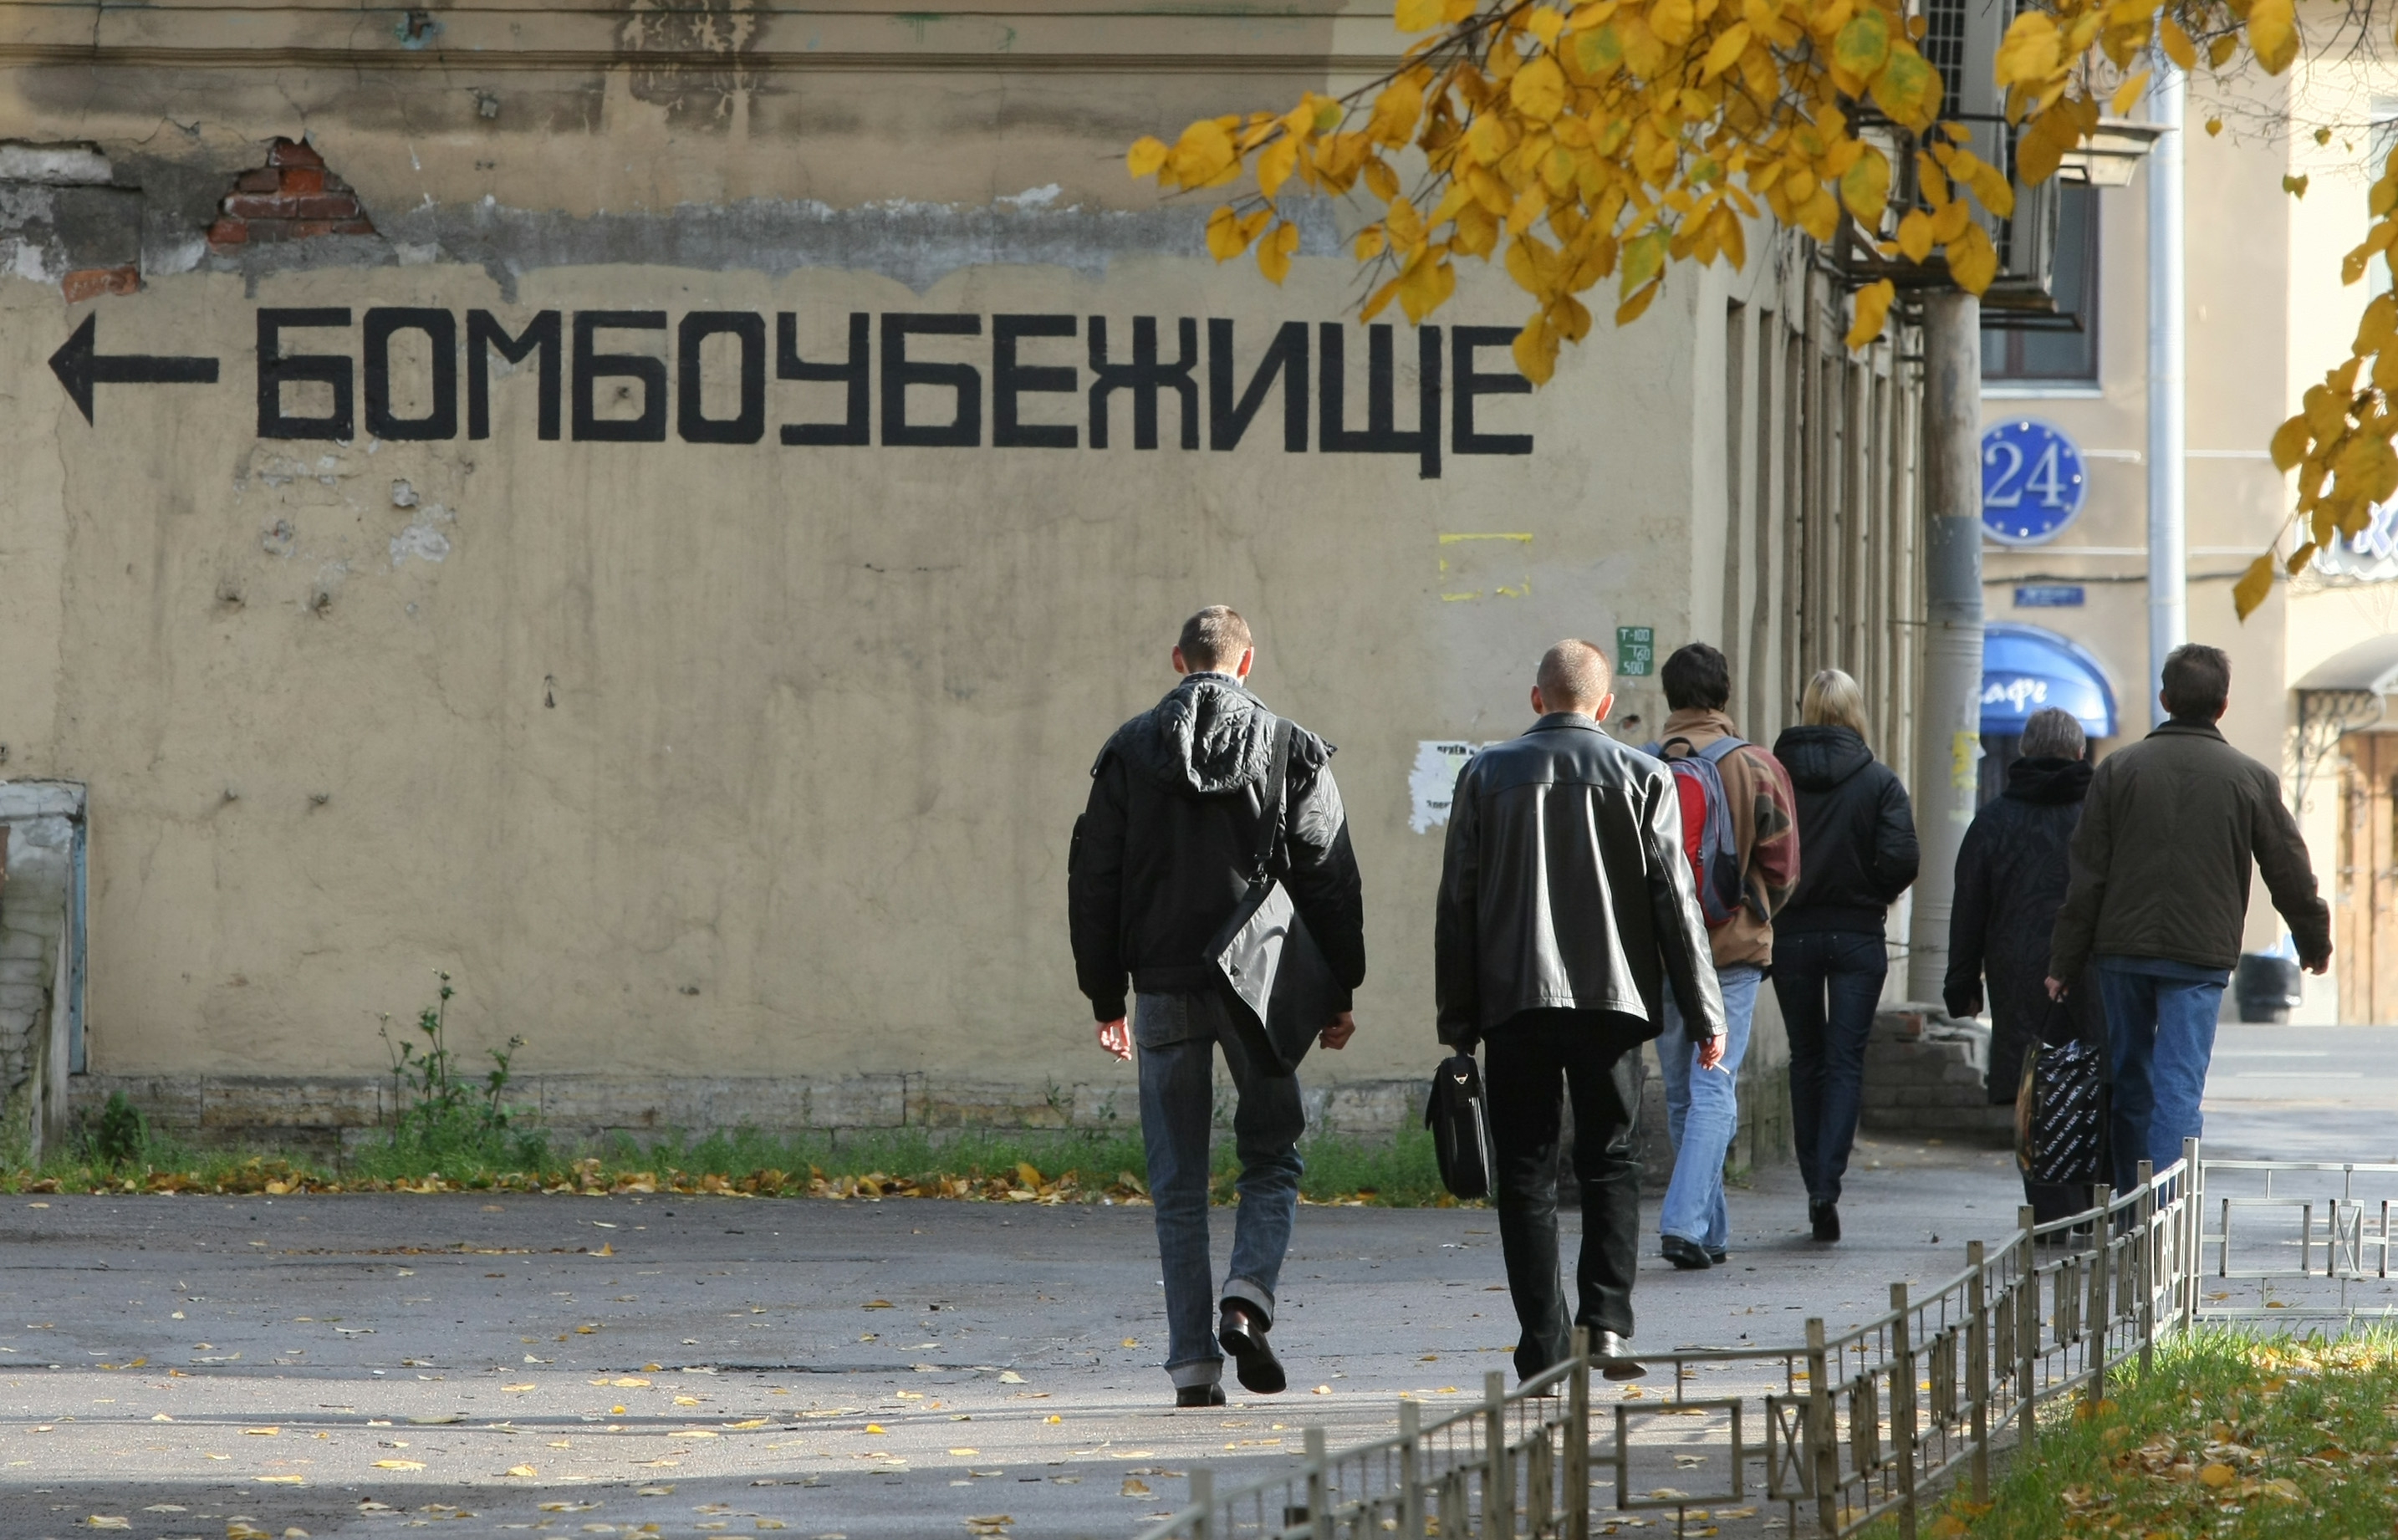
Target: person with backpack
1856	840
1740	830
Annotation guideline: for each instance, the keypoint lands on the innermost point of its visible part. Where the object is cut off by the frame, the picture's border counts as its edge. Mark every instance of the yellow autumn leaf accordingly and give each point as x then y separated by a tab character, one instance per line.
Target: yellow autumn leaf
1277	164
1204	155
2295	186
1864	188
1538	89
399	1464
2030	50
1630	310
1915	235
1972	260
2177	46
1225	243
2295	564
1907	88
2213	127
1419	15
2216	1473
1673	20
522	1470
1862	46
2127	95
1145	155
1873	309
1728	46
1425	286
2291	441
1275	252
2273	33
2219	52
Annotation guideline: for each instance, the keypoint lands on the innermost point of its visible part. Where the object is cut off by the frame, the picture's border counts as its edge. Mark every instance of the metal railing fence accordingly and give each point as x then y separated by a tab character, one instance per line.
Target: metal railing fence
1831	1433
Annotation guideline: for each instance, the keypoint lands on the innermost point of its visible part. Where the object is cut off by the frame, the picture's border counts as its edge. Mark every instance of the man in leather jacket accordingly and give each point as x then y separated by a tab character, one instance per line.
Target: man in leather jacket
1162	856
1566	906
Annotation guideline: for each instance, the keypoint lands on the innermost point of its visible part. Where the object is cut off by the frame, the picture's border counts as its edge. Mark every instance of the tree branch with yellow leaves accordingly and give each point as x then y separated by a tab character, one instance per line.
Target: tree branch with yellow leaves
1611	139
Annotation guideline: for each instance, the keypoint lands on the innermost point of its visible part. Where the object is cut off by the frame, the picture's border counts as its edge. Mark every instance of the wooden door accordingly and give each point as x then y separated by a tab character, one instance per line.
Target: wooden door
2365	913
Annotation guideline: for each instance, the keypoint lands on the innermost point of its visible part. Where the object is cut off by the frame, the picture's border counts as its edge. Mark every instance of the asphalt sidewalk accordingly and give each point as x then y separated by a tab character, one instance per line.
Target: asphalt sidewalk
358	1365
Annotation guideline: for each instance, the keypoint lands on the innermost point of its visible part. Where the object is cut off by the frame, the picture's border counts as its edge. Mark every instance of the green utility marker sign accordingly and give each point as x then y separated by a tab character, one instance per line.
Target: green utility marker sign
1635	651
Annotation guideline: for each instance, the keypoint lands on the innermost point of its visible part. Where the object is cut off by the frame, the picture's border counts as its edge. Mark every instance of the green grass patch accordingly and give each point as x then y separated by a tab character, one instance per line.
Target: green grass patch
120	1155
2227	1436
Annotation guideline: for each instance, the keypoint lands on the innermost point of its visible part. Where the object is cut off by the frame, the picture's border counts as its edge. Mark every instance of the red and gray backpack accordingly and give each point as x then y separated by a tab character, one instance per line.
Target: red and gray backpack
1707	836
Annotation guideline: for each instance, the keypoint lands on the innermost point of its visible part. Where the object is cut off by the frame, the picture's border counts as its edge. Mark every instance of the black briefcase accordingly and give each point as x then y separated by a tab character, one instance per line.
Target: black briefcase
1284	992
1461	1126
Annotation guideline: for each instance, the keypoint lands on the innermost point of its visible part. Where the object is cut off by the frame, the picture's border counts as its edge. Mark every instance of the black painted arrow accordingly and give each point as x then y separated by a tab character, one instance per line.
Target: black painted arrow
79	365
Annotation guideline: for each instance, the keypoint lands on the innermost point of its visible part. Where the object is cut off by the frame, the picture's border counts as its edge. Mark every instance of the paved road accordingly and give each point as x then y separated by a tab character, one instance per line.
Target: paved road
2304	1093
355	1365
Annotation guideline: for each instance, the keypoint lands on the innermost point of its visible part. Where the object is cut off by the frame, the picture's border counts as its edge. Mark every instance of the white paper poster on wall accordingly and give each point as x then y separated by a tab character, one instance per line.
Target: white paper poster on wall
1433	782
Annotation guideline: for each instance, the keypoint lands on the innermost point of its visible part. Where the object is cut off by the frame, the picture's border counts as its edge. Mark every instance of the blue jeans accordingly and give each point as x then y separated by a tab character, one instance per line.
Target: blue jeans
1178	1035
1827	983
1702	1113
2161	1037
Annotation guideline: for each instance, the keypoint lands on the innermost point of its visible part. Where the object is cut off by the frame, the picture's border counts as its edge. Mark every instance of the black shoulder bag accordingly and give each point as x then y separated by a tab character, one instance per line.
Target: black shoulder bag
1461	1126
1281	986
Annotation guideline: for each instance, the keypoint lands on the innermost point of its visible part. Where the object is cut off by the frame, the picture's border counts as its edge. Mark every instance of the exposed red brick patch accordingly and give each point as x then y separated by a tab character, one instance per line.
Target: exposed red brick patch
90	283
292	197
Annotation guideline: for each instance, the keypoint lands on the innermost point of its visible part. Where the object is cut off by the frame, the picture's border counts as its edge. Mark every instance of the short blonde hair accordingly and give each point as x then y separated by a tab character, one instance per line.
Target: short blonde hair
1833	700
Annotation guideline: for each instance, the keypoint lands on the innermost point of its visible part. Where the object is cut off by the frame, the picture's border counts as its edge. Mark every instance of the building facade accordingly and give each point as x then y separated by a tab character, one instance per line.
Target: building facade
653	514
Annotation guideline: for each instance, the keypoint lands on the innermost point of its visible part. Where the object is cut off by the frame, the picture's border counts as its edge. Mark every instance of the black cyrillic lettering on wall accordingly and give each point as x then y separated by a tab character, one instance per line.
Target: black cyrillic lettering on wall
691	418
964	427
1285	359
1463	436
1143	377
789	365
440	330
485	336
591	367
276	371
1382	435
1009	379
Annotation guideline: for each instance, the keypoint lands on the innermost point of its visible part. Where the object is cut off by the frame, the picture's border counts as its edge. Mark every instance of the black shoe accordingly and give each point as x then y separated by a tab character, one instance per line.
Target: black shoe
1719	1258
1825	1218
1615	1360
1241	1335
1199	1395
1688	1255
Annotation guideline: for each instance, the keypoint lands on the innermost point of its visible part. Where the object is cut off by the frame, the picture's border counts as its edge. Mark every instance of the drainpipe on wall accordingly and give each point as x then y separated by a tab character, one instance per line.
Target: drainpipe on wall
2168	568
1948	717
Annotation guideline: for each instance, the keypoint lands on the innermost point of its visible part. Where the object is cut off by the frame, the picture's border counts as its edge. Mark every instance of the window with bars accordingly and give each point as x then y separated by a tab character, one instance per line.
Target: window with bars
2065	350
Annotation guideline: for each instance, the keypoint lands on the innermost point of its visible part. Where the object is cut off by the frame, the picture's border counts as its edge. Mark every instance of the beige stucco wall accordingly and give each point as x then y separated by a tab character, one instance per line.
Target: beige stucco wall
736	759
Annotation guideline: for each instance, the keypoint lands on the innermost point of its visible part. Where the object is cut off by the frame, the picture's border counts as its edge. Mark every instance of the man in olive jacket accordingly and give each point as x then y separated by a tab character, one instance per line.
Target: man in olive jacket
2159	897
1566	904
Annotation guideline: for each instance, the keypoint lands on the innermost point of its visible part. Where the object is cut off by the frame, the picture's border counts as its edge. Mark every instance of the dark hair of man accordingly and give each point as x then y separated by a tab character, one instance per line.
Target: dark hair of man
1214	639
1574	676
1696	679
2197	681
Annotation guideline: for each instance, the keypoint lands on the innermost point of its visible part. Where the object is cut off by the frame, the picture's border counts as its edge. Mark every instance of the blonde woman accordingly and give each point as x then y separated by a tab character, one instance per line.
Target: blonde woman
1856	855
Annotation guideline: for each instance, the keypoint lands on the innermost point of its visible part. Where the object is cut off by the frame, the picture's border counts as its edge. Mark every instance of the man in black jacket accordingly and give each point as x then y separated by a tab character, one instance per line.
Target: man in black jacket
1566	905
1162	856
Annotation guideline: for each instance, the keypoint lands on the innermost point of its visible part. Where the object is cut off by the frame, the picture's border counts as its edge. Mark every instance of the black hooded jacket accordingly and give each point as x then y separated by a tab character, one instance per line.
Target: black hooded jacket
1856	833
2011	873
1164	852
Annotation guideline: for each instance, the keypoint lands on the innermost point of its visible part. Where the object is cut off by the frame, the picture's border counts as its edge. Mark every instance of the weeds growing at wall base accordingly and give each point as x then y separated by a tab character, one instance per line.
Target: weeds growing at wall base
982	1166
2227	1436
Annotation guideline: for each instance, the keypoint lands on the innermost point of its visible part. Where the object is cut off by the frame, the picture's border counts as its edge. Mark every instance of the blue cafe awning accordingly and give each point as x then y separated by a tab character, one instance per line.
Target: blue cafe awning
2025	669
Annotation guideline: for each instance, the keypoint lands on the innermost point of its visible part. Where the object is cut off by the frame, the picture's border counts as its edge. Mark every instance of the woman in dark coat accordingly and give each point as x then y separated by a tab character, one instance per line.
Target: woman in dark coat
2010	880
1856	855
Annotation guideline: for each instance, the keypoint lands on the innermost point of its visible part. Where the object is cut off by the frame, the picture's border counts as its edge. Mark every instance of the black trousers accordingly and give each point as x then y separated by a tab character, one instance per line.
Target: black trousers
1533	1061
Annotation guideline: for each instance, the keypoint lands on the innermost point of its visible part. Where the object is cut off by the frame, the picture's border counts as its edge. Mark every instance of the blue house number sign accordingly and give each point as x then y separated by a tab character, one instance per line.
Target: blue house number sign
2033	482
